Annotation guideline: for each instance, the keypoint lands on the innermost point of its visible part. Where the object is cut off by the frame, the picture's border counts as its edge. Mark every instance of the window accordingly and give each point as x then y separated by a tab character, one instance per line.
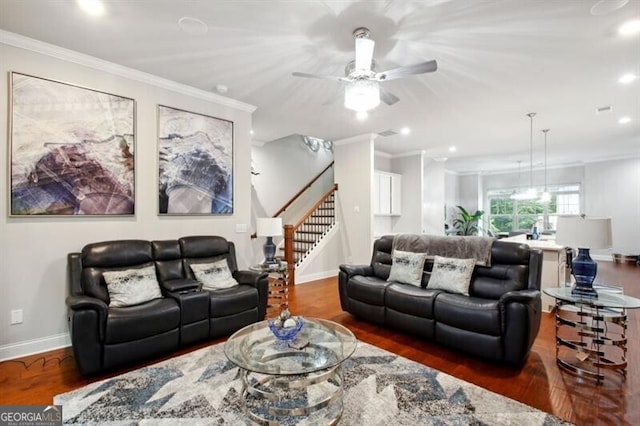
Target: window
506	214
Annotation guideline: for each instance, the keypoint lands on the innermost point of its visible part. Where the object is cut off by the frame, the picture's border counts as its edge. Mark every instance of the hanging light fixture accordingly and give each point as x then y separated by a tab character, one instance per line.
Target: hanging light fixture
362	95
517	194
531	192
546	196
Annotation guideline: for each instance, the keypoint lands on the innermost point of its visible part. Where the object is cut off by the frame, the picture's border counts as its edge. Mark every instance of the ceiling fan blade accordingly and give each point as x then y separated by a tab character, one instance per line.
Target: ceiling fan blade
406	71
388	97
322	77
364	53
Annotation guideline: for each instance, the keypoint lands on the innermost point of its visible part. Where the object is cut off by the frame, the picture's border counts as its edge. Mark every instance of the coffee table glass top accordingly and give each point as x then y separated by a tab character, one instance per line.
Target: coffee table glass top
605	299
256	349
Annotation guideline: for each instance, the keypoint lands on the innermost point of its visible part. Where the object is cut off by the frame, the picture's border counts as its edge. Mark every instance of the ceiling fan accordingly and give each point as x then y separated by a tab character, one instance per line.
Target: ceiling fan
363	91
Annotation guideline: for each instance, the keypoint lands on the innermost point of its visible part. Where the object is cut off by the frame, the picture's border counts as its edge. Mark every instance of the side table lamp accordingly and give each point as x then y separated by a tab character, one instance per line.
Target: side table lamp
584	233
269	227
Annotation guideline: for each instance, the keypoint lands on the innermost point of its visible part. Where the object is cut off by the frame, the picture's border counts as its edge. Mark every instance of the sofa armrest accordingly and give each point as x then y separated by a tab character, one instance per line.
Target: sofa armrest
259	280
351	270
521	316
251	278
86	303
520	296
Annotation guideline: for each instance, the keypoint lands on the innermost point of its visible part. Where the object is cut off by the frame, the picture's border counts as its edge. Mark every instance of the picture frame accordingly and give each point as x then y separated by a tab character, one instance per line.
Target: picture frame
72	150
195	163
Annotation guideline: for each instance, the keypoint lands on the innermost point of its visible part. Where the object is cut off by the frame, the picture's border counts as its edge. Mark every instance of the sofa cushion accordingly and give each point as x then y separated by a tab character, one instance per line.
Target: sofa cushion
468	313
132	286
230	301
367	289
406	267
215	275
411	300
140	321
452	275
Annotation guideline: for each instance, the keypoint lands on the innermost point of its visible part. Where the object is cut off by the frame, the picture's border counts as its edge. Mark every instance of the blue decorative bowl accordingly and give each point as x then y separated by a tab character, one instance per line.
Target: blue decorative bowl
286	334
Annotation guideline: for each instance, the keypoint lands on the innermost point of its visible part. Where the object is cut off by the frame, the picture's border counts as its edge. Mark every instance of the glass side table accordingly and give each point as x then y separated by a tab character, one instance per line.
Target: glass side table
278	286
591	332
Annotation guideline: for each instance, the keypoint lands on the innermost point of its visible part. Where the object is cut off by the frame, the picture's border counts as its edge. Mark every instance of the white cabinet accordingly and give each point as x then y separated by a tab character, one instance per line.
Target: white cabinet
387	193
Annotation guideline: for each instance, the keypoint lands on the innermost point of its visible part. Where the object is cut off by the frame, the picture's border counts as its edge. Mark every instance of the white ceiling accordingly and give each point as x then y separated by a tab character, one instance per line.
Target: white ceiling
498	60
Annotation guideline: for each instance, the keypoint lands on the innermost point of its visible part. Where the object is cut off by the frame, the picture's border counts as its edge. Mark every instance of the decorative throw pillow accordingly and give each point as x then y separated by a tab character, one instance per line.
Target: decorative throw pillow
452	275
406	267
214	276
132	286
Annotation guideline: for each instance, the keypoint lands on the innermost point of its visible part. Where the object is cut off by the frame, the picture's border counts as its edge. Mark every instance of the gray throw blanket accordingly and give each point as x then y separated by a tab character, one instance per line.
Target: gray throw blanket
478	248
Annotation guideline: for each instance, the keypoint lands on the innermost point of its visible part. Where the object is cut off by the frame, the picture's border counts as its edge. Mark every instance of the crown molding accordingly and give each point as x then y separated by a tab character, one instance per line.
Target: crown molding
26	43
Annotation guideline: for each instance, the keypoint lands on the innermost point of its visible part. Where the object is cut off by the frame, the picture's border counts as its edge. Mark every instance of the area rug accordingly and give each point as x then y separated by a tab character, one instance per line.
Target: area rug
380	388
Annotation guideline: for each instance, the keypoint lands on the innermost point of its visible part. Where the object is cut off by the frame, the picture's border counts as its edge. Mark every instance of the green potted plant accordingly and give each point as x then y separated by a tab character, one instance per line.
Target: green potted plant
467	223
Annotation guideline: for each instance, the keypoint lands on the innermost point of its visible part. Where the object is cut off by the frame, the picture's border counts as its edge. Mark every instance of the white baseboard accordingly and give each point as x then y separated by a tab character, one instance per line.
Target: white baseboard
301	279
35	346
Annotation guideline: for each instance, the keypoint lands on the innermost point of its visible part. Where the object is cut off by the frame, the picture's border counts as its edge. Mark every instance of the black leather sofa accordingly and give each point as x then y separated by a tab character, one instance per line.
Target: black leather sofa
105	337
499	320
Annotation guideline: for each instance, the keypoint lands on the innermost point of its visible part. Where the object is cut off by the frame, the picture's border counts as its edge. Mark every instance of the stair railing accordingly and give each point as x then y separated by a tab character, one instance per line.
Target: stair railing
315	224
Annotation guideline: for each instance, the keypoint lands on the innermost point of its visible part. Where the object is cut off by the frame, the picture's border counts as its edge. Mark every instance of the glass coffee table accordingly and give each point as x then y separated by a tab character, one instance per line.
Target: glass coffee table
282	383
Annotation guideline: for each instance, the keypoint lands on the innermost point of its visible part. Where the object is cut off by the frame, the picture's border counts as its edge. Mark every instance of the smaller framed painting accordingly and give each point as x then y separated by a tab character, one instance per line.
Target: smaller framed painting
195	163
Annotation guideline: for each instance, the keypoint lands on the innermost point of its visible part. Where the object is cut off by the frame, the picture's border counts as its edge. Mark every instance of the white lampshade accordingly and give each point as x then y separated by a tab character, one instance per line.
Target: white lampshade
584	232
362	95
269	227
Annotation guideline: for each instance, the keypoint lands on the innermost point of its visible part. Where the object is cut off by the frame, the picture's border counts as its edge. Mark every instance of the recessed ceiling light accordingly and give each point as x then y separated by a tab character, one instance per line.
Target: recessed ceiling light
221	88
192	26
452	149
627	78
405	130
624	120
251	132
362	115
629	27
92	7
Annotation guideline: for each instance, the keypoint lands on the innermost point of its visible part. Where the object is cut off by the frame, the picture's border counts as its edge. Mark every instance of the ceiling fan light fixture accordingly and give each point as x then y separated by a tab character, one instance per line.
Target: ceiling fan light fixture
362	95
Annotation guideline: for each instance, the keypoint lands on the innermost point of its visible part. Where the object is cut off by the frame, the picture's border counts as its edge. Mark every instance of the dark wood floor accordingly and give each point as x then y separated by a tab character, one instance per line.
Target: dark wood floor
36	379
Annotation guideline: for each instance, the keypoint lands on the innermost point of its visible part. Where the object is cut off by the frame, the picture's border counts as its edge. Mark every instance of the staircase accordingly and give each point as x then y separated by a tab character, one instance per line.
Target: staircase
300	239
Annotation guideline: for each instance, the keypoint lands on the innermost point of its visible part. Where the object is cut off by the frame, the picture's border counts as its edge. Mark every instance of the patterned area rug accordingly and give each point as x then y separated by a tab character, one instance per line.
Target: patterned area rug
381	388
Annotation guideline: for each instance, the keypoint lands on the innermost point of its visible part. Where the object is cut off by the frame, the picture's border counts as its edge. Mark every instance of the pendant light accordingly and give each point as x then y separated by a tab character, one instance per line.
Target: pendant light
546	196
531	192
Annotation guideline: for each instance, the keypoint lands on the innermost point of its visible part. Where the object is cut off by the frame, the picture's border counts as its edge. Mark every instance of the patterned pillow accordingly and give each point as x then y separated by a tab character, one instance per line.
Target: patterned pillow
406	267
132	286
452	275
214	276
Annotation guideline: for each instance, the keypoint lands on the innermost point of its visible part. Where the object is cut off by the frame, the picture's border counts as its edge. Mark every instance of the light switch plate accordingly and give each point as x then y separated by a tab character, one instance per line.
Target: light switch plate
241	228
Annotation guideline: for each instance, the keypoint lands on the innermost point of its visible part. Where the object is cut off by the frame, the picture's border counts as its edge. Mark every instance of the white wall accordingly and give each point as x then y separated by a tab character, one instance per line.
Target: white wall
286	165
612	189
410	167
33	250
451	196
469	192
354	175
433	197
324	260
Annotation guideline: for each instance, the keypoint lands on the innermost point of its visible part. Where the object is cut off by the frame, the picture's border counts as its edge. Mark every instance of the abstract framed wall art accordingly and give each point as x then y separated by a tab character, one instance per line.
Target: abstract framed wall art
72	149
195	163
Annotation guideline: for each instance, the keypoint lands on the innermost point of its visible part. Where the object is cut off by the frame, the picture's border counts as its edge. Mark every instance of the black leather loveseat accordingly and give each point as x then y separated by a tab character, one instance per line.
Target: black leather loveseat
105	337
498	320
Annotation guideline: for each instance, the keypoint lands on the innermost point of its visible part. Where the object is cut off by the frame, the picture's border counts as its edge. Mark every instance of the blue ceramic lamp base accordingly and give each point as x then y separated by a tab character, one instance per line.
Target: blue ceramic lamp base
584	270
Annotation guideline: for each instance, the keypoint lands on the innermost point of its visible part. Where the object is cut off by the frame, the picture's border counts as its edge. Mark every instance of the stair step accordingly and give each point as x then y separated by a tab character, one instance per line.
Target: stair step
310	232
322	215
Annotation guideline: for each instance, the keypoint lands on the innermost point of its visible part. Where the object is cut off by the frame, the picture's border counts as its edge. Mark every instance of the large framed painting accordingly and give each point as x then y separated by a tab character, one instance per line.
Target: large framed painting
195	162
72	149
